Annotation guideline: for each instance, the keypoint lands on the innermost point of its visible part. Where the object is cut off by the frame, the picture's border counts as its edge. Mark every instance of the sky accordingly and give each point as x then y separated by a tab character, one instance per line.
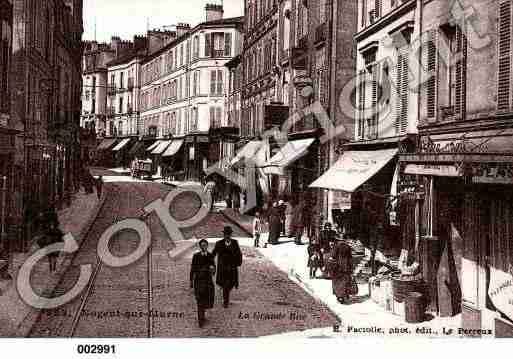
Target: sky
126	18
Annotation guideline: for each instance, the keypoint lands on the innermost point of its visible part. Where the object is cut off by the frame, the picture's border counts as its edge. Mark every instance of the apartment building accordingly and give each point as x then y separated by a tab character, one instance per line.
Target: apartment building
46	78
461	169
183	92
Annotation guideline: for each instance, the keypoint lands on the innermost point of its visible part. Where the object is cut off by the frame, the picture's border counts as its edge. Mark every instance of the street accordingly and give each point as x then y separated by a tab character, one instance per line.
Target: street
153	298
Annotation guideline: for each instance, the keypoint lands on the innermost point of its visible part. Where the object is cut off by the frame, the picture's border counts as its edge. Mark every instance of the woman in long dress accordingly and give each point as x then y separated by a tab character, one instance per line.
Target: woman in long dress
340	266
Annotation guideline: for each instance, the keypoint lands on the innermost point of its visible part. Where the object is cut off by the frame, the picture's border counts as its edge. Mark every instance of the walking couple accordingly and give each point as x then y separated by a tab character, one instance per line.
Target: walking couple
229	258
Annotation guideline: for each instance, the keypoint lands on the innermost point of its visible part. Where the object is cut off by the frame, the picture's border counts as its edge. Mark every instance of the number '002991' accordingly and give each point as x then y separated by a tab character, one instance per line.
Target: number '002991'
96	349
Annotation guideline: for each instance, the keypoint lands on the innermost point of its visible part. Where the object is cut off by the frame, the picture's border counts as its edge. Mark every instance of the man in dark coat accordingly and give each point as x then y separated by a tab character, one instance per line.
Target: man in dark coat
202	269
229	257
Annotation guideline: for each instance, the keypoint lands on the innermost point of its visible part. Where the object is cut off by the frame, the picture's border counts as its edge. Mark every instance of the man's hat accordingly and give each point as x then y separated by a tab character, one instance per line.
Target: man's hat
203	241
227	230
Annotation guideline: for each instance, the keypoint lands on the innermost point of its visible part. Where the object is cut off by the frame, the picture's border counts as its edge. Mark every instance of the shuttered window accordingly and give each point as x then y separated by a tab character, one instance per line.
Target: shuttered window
430	49
504	49
208	45
401	103
373	121
361	104
227	44
460	68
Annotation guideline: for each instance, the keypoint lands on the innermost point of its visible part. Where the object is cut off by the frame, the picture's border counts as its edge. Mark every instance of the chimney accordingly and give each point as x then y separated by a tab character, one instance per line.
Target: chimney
140	42
214	12
182	28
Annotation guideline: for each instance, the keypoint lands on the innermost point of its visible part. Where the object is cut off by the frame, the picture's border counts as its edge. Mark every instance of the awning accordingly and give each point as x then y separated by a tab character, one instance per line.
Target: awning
155	144
161	147
248	151
173	148
287	155
353	169
120	145
106	144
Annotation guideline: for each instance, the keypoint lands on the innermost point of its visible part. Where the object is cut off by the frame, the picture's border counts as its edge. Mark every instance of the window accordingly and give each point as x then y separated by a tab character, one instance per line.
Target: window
227	44
504	100
120	105
216	82
187	85
215	116
195	83
195	47
431	83
121	80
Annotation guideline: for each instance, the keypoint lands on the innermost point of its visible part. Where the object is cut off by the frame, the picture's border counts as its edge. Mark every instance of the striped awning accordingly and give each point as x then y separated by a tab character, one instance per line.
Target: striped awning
106	144
120	145
287	155
173	148
161	147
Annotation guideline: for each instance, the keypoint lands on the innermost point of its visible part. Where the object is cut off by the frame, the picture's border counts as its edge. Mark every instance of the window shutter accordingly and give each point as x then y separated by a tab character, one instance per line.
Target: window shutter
219	82
218	116
213	82
373	121
361	103
208	45
461	73
377	8
504	48
227	44
212	117
430	49
402	69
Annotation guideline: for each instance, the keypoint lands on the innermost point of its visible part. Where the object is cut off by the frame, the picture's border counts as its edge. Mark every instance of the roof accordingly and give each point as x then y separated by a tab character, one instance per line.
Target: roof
228	21
129	56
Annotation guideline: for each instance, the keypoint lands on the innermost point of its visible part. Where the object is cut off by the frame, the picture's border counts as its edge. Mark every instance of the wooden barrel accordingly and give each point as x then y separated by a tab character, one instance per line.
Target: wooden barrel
414	308
402	287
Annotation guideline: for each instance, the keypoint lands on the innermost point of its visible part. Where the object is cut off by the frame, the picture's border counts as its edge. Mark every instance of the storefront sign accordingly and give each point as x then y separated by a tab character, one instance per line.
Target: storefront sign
499	173
433	170
501	291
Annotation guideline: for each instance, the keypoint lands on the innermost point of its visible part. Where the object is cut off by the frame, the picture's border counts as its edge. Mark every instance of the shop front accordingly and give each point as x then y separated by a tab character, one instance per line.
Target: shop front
156	154
173	161
196	156
369	177
121	153
465	182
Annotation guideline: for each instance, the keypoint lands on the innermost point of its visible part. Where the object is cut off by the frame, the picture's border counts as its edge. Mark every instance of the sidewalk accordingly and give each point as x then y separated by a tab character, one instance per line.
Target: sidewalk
361	313
16	317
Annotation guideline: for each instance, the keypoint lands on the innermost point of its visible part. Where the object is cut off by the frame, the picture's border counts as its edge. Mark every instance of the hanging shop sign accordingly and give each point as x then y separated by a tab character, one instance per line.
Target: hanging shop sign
494	173
501	290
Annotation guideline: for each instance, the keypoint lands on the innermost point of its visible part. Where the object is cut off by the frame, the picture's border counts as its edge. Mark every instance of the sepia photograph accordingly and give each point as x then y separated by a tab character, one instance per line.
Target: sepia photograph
242	169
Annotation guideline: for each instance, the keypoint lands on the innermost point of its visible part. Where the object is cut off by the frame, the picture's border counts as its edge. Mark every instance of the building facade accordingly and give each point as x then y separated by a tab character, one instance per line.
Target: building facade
11	193
46	78
461	169
183	92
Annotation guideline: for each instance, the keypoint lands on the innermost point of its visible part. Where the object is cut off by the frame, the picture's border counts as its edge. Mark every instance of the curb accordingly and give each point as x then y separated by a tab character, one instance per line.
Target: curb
24	328
230	219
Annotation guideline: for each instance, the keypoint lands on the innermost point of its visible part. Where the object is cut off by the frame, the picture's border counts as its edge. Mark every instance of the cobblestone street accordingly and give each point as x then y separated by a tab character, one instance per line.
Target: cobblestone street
118	301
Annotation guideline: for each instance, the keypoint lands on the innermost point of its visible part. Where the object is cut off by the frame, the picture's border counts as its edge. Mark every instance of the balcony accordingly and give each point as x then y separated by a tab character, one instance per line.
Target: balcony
217	53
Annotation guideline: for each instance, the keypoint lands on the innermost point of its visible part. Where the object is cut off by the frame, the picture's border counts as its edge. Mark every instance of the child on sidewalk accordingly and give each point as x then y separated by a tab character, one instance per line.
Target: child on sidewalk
257	229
